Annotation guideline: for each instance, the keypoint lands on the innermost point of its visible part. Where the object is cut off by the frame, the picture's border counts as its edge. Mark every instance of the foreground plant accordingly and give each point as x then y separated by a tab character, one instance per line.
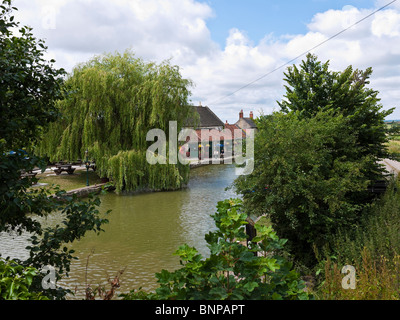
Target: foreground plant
234	270
16	281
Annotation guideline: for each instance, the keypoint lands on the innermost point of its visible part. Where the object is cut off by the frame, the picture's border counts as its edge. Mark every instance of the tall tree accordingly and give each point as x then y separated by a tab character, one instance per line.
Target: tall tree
315	159
29	89
29	85
307	190
312	87
111	104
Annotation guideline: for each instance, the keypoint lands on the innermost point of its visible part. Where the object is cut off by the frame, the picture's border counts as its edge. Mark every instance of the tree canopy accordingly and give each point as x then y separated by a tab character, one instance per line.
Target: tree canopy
312	87
300	182
315	159
29	85
112	101
29	89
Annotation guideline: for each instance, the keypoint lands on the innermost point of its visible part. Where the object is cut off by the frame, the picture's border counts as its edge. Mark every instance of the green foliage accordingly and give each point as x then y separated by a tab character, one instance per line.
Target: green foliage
130	171
316	158
393	129
233	271
21	205
378	231
15	282
373	248
313	87
29	85
29	88
375	279
49	246
111	104
306	178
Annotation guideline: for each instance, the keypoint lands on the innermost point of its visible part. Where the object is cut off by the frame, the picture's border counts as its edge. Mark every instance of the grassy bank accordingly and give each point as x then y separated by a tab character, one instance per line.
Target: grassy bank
373	249
394	146
394	143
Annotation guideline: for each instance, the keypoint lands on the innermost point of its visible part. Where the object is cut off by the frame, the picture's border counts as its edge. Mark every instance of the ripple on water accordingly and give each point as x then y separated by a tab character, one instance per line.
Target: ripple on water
143	233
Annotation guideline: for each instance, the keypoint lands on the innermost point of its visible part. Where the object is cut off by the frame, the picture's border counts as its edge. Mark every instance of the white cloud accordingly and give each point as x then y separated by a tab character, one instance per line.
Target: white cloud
386	24
375	43
393	4
177	29
154	29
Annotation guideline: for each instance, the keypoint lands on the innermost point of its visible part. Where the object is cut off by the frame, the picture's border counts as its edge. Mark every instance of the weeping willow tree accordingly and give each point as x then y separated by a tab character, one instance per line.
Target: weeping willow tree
112	101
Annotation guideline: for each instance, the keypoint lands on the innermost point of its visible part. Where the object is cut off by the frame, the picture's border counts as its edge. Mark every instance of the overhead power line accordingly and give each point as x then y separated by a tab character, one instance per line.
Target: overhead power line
305	52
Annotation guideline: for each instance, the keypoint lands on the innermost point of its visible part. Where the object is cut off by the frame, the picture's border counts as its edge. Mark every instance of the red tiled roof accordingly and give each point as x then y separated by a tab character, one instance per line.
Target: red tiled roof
233	127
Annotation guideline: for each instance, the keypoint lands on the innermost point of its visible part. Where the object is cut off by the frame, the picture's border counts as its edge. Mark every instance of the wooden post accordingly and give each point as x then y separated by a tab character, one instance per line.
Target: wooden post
250	231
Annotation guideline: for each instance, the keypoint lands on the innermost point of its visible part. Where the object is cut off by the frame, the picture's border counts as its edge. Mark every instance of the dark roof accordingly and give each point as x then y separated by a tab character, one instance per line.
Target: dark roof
251	122
208	118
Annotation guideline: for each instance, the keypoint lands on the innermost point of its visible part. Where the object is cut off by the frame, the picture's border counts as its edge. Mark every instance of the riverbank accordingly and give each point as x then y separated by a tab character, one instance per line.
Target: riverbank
76	183
85	191
73	184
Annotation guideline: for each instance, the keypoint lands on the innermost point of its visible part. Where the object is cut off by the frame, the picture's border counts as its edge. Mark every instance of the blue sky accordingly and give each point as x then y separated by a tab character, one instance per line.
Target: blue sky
261	17
222	45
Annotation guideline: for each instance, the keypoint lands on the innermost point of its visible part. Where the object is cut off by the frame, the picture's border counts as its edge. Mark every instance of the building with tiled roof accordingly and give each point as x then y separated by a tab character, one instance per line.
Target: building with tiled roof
233	127
213	135
246	123
206	119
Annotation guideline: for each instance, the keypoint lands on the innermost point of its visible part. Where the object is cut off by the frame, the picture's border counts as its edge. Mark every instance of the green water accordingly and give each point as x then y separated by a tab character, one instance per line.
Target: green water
145	230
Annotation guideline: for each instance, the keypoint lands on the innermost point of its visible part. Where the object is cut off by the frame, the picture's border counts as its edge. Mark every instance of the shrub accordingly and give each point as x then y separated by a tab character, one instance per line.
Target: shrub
306	179
373	248
378	231
16	280
233	270
375	280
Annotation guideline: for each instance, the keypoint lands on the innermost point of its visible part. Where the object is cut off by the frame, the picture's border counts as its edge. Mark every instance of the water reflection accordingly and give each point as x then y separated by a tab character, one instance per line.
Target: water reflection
144	232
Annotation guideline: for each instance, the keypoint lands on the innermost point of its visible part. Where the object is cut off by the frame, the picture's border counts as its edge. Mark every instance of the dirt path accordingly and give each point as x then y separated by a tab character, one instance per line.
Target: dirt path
391	166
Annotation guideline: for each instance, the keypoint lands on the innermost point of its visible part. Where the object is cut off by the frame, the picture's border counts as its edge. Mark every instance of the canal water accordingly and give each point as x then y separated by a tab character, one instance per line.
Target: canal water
144	231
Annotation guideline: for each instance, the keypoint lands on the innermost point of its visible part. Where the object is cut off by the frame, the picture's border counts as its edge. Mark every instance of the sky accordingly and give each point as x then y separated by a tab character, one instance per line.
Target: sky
224	45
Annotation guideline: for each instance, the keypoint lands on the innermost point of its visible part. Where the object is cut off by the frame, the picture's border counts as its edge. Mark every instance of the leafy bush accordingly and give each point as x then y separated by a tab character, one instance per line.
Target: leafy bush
233	270
312	87
316	157
378	231
16	280
373	248
306	179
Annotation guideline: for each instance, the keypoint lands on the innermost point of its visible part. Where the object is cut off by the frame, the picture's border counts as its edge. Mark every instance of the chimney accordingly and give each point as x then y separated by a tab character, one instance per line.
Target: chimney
241	114
226	122
251	114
